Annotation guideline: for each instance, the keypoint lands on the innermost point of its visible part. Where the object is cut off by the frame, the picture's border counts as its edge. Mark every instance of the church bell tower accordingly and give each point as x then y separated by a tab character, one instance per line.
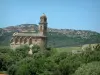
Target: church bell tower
43	25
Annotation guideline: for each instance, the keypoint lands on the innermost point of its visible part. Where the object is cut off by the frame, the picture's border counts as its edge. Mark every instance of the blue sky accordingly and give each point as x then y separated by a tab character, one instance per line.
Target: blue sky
64	14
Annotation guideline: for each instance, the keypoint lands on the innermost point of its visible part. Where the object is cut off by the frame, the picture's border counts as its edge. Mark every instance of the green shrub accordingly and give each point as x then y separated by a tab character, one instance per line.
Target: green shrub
60	56
21	52
35	49
68	65
23	67
5	49
90	56
92	68
5	61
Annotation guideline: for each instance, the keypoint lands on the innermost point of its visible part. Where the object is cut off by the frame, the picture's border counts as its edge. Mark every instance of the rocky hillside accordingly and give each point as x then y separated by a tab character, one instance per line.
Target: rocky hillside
21	27
56	37
67	32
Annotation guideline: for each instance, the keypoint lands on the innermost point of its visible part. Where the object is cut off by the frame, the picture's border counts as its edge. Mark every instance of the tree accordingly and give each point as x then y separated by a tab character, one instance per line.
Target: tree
92	68
60	56
5	61
23	67
35	49
21	52
68	65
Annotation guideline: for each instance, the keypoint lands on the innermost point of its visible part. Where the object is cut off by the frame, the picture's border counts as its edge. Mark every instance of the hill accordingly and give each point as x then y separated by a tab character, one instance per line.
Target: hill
56	37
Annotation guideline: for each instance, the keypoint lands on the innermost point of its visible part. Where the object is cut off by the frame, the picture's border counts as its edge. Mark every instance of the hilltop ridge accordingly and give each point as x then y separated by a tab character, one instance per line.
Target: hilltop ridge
56	37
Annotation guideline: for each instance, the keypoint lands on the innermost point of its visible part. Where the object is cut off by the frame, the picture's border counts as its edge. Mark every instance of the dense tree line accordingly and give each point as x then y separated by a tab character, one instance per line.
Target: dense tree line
49	62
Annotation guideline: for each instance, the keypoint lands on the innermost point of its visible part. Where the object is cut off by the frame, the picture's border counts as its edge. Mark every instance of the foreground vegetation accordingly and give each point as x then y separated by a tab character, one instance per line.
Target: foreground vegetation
50	61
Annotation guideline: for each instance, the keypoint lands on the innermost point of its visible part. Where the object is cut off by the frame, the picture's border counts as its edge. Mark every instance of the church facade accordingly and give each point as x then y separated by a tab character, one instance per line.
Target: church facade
31	38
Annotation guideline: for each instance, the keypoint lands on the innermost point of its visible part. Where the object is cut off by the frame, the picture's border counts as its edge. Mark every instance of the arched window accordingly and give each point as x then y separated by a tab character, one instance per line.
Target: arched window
16	40
25	40
40	28
21	39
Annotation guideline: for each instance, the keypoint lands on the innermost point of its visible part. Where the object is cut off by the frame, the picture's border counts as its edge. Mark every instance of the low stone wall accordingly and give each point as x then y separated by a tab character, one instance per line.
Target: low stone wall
90	46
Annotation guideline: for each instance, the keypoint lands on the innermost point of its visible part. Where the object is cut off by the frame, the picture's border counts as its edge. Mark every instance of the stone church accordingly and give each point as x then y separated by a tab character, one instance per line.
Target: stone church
32	38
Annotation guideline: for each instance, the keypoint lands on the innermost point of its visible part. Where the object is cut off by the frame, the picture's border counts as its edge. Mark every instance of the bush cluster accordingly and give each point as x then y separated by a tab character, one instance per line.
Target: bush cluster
49	62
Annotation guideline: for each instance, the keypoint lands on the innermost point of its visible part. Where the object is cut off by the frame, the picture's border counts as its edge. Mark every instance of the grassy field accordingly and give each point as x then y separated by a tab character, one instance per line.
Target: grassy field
61	49
67	49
